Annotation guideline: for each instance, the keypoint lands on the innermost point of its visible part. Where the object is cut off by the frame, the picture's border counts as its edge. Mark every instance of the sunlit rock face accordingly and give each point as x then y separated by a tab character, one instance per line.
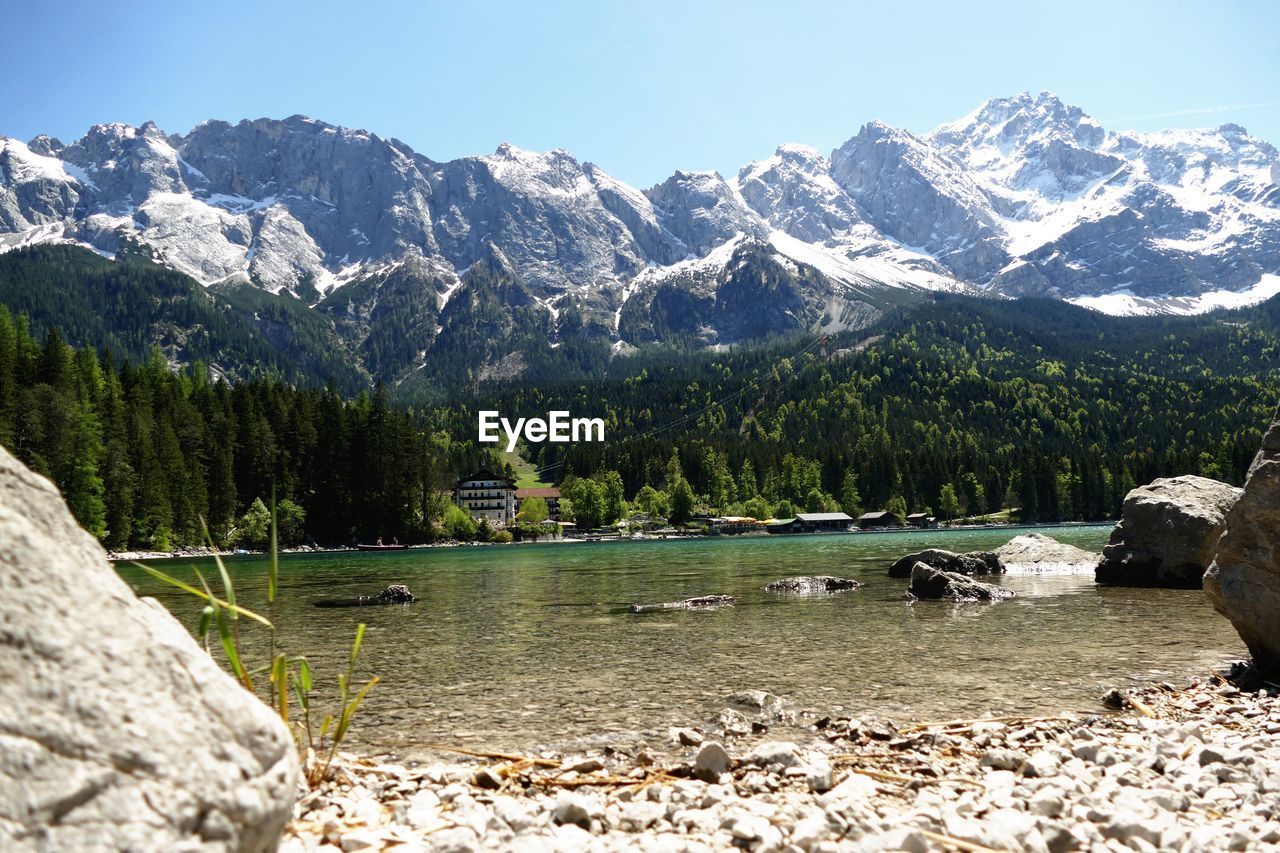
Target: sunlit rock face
117	731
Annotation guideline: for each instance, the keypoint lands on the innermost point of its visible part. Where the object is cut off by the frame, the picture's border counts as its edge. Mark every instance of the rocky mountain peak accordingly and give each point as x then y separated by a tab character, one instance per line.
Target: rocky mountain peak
1013	125
46	146
702	210
1025	194
795	192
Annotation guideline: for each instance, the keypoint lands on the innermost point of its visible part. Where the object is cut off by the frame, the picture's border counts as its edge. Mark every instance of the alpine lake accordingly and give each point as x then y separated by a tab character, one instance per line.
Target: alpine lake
524	646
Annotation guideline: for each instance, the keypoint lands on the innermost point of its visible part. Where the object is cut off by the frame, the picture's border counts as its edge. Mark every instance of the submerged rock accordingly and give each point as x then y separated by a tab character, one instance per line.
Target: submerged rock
1243	582
812	585
1036	552
930	583
1167	534
701	601
394	594
760	702
972	563
117	731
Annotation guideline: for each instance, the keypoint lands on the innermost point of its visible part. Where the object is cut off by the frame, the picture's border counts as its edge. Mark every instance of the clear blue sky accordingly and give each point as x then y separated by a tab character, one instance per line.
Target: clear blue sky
640	88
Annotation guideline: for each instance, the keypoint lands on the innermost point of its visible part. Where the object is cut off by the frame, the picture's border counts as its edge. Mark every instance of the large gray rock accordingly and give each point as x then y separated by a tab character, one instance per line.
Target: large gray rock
1167	533
117	731
930	583
972	563
1035	552
1244	580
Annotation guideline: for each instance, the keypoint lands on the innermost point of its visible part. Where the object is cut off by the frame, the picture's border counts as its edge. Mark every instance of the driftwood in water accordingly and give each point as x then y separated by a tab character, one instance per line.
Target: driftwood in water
687	604
394	594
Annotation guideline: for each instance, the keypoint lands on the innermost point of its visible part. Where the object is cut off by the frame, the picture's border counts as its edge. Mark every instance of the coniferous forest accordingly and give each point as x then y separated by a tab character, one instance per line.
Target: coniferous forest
956	405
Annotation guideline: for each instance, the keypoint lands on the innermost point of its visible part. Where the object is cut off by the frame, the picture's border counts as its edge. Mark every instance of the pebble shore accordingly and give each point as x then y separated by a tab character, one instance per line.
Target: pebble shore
1193	767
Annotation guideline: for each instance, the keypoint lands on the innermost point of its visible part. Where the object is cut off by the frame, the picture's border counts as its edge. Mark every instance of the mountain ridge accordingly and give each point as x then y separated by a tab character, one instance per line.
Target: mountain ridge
1024	196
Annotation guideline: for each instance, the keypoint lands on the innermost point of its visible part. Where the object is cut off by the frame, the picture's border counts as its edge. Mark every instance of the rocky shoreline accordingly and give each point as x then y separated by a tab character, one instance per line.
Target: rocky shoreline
1195	767
188	553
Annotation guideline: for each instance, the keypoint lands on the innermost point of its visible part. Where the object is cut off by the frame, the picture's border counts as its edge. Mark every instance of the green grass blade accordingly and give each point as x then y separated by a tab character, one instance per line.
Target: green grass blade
280	676
227	585
304	701
209	597
274	571
355	647
233	653
304	674
349	711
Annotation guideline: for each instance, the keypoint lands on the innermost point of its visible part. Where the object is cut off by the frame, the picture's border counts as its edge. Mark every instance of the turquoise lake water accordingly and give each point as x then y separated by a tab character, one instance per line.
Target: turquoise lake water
517	646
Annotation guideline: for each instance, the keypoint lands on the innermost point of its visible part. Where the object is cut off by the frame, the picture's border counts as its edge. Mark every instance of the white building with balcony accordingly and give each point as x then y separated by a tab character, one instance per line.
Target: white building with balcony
487	495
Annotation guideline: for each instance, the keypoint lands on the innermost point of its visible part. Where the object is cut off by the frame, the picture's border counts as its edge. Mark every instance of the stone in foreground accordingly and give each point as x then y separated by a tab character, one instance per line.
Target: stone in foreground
117	731
1035	552
702	601
1167	534
973	563
711	762
812	585
930	583
1244	580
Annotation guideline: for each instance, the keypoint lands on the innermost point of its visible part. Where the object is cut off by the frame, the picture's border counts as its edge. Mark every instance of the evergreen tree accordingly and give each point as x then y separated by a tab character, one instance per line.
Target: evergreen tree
682	499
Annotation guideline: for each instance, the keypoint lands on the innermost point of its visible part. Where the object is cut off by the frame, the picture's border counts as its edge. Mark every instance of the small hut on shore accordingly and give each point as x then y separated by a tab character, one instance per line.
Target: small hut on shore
878	520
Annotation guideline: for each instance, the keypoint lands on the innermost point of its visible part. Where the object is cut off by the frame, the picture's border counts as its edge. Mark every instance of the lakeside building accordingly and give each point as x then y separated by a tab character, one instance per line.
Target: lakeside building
812	522
922	520
550	495
487	495
734	524
877	520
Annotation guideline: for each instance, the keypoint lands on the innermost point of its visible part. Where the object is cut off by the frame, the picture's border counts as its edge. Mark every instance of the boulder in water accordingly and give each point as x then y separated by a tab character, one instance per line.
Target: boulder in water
394	594
1243	582
1035	552
930	583
972	563
816	585
117	731
1167	534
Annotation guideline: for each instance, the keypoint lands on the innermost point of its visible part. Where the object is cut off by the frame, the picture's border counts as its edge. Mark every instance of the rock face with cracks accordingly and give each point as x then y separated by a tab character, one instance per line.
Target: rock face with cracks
1167	533
1244	580
117	731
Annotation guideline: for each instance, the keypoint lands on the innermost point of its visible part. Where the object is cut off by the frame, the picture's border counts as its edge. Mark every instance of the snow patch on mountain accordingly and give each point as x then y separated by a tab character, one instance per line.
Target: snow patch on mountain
1125	303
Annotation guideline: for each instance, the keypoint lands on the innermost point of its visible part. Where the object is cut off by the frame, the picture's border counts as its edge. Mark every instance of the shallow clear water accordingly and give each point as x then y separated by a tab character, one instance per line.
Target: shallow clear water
511	647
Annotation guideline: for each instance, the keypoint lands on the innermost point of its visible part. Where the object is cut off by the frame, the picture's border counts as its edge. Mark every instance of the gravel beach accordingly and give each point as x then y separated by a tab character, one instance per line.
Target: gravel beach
1160	767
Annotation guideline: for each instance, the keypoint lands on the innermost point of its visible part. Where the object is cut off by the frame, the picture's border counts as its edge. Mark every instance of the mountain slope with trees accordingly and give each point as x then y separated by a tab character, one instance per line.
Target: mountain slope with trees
958	405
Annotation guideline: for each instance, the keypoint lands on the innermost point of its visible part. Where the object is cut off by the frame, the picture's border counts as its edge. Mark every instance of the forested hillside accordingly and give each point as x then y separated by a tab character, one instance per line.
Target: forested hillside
957	405
143	453
1033	404
131	304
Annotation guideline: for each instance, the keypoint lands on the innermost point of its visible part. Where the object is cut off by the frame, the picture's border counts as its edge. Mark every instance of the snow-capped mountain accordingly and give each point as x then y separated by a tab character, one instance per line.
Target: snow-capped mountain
1026	195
